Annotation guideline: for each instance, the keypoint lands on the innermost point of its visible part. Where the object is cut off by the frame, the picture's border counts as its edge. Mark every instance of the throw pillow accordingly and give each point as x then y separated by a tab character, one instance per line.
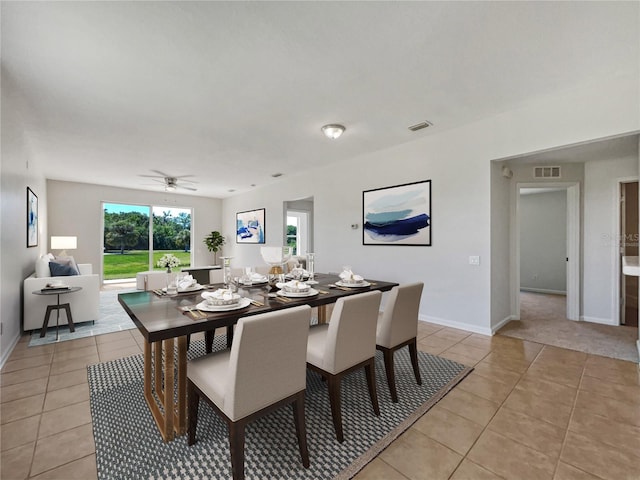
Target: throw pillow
70	261
59	270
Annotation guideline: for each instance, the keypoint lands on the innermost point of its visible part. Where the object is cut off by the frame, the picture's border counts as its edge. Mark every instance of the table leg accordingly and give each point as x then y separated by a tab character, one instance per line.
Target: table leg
57	318
322	314
174	418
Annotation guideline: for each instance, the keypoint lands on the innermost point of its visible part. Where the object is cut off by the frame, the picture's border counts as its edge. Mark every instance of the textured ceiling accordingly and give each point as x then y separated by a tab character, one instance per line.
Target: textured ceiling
233	92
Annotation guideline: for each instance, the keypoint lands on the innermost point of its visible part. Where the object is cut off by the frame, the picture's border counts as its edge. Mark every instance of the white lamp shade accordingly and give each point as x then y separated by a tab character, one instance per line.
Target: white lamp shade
64	243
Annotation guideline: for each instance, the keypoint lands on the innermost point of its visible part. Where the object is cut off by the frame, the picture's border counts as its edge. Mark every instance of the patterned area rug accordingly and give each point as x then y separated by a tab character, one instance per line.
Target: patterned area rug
111	318
128	444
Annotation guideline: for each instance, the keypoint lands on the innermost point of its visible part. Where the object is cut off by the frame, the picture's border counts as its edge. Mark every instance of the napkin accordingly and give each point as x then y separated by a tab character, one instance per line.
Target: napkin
257	277
348	276
186	282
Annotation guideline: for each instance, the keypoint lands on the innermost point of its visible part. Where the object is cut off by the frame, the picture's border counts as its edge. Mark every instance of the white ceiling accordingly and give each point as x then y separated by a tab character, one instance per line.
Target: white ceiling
236	91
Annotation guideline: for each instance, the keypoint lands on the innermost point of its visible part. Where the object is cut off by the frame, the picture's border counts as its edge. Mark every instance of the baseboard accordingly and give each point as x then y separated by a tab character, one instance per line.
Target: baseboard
7	353
502	323
543	290
603	321
453	324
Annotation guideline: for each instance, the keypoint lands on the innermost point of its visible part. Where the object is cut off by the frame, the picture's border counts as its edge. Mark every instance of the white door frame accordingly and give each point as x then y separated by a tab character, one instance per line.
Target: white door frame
615	293
573	246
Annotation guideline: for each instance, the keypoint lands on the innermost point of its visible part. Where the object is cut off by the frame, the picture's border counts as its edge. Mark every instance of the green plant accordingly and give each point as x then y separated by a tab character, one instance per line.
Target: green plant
214	242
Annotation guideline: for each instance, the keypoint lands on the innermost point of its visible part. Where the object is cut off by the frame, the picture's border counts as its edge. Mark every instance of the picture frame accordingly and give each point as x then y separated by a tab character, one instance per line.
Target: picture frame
397	215
250	226
32	219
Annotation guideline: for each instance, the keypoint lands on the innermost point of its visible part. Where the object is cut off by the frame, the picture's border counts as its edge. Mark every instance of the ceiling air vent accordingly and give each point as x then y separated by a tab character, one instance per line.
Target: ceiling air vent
420	126
546	172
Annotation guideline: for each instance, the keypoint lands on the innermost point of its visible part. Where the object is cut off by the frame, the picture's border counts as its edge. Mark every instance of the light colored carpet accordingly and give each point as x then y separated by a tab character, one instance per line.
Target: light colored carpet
543	320
111	318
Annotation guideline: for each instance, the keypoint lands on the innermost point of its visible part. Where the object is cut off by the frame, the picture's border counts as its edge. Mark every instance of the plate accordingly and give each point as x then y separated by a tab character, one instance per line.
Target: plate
194	288
310	293
353	285
205	307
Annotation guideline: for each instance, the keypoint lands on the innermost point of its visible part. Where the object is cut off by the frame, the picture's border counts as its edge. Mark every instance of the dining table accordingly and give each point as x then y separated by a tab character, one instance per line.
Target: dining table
167	321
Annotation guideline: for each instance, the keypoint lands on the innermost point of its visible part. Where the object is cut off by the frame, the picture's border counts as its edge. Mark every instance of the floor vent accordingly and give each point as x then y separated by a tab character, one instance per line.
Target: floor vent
546	172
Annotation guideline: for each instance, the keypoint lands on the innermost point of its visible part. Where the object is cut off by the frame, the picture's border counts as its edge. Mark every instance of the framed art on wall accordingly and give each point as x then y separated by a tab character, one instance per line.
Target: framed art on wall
32	218
250	226
397	215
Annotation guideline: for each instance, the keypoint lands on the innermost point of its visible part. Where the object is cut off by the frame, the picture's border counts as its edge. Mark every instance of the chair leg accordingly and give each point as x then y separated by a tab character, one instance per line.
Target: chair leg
371	382
334	382
413	353
301	429
390	371
236	444
193	404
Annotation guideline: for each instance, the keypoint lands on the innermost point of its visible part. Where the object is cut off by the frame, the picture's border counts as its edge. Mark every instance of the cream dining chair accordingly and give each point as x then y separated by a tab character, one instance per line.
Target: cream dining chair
397	328
346	344
264	370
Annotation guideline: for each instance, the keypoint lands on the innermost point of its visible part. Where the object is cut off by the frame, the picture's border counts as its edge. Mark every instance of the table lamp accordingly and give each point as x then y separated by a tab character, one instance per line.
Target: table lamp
64	243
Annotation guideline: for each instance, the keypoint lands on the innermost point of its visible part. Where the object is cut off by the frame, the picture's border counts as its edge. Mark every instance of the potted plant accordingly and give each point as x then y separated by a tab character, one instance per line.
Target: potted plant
214	242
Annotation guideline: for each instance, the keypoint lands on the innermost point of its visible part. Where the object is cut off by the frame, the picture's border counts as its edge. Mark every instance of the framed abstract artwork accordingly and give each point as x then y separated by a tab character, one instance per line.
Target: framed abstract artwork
398	215
250	226
32	218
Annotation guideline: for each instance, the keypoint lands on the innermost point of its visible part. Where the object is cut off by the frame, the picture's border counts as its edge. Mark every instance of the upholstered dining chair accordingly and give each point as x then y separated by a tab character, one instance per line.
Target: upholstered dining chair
346	344
397	328
263	371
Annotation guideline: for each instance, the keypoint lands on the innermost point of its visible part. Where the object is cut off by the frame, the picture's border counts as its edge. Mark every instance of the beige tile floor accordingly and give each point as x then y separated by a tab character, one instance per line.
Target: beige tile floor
527	411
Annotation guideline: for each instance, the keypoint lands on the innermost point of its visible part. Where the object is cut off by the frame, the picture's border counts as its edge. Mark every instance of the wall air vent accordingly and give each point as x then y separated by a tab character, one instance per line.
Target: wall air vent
546	172
420	126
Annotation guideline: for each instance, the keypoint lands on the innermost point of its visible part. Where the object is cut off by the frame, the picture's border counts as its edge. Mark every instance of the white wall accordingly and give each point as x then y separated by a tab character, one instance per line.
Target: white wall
543	242
18	170
500	245
458	163
68	216
601	210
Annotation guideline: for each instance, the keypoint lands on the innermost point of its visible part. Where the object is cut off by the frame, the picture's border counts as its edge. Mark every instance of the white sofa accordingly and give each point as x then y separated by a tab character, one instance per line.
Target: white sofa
84	304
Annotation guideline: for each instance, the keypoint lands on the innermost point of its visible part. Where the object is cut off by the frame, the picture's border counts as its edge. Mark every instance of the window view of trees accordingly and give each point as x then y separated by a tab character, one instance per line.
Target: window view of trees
292	237
126	238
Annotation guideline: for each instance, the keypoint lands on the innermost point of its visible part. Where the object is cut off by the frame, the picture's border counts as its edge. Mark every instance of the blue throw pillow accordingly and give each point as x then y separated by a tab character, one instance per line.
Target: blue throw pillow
58	270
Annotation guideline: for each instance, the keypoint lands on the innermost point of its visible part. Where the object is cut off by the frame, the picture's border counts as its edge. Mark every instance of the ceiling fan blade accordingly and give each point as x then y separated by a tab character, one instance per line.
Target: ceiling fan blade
151	176
184	176
164	175
188	188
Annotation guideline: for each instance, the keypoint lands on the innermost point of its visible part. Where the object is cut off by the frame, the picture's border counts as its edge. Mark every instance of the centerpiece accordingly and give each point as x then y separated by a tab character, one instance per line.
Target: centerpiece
169	261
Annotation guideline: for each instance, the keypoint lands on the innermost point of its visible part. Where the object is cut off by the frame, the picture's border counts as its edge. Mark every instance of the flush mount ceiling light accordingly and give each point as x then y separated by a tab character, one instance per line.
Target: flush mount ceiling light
333	131
170	187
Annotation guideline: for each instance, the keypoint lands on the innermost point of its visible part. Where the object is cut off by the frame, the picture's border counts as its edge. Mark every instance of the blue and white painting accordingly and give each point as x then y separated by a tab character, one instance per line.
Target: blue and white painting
398	215
250	226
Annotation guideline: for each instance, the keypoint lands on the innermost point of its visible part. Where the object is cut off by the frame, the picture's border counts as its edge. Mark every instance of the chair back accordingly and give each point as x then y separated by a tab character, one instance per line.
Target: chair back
267	362
351	337
399	321
216	276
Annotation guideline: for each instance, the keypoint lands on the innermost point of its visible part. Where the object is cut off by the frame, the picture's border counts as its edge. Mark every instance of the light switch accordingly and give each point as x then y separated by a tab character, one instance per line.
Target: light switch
474	260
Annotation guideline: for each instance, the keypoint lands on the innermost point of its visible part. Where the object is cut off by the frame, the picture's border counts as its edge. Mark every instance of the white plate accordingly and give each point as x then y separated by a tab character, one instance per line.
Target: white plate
353	285
310	293
205	307
194	288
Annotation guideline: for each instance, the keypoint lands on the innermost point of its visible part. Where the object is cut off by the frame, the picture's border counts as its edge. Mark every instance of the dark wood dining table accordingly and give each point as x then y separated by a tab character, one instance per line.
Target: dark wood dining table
165	320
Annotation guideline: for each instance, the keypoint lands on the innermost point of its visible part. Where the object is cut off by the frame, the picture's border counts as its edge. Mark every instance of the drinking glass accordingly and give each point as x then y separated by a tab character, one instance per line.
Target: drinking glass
311	264
226	271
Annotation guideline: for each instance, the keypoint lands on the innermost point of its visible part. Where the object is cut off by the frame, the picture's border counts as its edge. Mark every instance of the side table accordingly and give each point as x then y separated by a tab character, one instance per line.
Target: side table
57	307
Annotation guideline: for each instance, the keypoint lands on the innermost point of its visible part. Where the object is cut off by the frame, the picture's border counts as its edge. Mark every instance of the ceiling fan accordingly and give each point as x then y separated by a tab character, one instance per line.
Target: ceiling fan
171	182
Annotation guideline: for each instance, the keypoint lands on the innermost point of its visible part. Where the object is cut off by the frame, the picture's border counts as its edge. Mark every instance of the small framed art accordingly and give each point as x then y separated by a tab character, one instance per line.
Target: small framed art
250	226
32	218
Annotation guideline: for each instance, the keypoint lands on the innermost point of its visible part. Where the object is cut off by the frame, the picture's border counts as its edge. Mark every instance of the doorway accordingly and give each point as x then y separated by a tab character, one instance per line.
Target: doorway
135	237
628	241
569	264
298	223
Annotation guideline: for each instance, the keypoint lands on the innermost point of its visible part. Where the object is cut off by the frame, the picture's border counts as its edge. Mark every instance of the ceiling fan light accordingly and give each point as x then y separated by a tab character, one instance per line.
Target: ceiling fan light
333	131
170	188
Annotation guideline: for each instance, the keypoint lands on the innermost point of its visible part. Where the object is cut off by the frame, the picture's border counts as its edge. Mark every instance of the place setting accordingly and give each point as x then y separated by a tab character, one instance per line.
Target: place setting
349	280
220	300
